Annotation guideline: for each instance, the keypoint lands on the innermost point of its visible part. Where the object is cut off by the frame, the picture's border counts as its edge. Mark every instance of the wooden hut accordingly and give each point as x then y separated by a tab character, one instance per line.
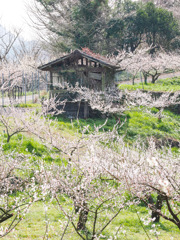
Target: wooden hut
83	67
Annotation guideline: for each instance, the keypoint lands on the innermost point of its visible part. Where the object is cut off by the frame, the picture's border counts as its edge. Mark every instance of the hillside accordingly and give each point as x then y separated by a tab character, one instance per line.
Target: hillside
78	154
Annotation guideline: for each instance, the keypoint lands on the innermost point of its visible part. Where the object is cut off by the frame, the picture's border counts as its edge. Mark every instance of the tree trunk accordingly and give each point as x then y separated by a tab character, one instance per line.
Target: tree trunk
145	79
133	80
153	79
156	208
83	210
8	138
145	75
83	215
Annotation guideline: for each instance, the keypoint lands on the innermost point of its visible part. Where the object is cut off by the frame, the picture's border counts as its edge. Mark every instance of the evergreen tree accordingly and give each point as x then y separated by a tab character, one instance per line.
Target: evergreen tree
89	23
94	24
157	24
73	24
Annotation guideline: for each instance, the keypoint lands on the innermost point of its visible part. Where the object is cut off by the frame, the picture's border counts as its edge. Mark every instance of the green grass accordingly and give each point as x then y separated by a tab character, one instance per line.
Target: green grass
145	125
33	225
163	85
139	124
22	144
63	123
28	105
27	145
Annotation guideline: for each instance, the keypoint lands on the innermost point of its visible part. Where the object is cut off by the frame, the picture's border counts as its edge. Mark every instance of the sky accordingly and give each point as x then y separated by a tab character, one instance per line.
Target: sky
13	14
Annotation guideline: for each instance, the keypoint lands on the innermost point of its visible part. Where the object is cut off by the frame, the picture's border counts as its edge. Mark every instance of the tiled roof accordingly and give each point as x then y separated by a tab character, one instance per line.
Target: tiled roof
86	53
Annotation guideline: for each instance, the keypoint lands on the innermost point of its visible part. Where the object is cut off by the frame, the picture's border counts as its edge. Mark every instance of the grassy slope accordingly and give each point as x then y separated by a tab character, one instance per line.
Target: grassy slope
138	124
163	85
33	226
145	125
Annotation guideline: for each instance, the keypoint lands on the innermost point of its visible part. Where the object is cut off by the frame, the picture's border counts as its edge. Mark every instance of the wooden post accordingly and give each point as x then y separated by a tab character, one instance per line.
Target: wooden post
141	80
23	83
103	81
46	77
2	90
18	91
25	86
13	92
86	110
87	79
51	81
111	79
32	87
38	85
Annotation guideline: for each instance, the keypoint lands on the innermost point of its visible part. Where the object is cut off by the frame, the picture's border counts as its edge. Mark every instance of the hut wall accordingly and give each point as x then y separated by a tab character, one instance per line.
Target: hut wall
91	75
76	110
109	78
93	78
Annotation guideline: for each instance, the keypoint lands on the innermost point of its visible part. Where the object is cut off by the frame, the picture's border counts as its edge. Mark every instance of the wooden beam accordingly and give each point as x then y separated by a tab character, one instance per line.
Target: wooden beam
51	80
96	76
78	68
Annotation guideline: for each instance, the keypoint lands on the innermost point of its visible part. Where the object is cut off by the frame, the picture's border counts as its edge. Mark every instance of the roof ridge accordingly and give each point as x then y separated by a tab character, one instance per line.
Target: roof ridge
86	52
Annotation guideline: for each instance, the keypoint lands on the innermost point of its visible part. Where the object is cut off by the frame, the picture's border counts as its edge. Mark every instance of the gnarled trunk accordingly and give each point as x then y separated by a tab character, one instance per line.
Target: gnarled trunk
156	208
83	215
83	210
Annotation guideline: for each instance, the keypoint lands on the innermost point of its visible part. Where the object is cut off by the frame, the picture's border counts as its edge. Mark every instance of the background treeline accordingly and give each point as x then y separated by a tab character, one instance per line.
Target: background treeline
107	26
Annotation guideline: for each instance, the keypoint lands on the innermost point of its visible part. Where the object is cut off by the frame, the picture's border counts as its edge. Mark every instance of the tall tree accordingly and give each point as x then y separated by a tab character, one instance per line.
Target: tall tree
134	23
89	23
103	27
122	30
158	25
71	24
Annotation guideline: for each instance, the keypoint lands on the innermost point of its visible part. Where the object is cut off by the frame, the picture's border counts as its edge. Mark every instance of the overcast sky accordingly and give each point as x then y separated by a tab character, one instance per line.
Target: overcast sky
13	13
